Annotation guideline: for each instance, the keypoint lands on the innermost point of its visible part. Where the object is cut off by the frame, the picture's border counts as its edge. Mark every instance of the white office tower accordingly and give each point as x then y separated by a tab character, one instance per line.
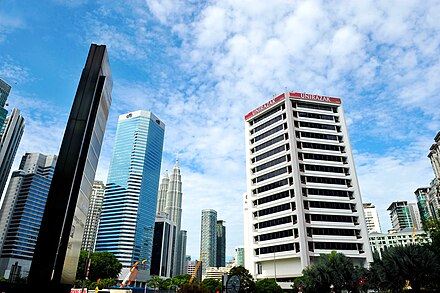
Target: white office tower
371	218
93	214
303	198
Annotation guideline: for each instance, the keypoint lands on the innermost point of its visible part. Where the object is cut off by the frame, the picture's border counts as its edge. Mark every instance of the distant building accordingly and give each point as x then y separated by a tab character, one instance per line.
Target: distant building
221	244
434	155
422	196
400	215
21	213
239	256
191	267
163	241
415	215
380	242
129	209
12	131
169	201
93	215
216	272
208	241
371	218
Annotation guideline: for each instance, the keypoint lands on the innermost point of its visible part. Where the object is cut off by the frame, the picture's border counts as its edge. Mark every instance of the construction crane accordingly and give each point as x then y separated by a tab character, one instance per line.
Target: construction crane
131	274
196	269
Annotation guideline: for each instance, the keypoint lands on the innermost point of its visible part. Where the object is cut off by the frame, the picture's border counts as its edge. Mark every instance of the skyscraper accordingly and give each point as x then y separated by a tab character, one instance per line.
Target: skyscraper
21	213
170	202
371	218
12	131
400	215
434	155
221	244
208	242
415	215
303	197
239	256
433	196
422	196
129	207
92	221
162	256
59	241
5	89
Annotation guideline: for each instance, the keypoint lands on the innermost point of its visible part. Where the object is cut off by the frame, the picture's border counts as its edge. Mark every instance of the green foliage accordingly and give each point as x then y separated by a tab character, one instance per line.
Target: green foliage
103	265
193	288
333	269
155	282
247	284
415	263
267	286
432	226
212	285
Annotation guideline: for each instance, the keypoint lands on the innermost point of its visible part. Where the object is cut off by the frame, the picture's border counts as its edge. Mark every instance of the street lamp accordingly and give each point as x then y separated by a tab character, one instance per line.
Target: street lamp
331	288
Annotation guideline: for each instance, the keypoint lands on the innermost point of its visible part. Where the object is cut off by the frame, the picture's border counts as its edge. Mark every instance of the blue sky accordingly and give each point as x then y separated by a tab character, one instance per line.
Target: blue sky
200	66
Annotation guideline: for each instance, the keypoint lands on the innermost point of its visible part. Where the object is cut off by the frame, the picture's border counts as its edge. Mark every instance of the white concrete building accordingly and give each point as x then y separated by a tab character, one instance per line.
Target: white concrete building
302	197
379	242
371	218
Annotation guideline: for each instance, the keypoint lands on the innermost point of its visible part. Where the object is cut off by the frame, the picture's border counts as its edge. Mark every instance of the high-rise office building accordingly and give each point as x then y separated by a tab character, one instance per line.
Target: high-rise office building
434	155
239	256
422	196
12	131
208	241
129	208
162	195
400	215
371	218
21	213
59	241
415	215
170	203
5	90
162	256
221	244
93	215
303	197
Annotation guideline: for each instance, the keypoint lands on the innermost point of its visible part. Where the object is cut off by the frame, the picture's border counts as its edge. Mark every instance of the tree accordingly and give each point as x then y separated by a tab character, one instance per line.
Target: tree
333	269
212	285
432	226
415	263
267	286
155	282
247	284
103	265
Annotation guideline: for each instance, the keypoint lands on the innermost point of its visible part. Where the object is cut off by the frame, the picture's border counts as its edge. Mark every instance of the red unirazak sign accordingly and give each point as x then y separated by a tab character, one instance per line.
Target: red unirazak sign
264	106
315	97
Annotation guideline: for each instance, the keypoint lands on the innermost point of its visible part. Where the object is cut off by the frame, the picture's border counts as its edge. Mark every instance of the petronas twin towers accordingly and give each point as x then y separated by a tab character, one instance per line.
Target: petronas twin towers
169	201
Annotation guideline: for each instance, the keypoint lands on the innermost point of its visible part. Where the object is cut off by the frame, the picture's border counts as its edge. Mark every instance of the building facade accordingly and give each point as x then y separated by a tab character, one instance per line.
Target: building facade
303	197
5	90
400	215
422	196
380	242
208	241
21	213
415	215
434	155
371	218
129	207
162	256
169	201
12	131
93	215
221	244
239	256
59	241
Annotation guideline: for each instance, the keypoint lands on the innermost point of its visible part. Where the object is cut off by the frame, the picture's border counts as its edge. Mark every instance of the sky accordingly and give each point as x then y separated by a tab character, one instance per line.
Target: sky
200	66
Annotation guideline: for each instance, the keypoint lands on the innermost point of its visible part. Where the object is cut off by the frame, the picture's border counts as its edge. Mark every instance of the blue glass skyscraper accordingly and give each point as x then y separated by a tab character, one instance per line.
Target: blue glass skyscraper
129	207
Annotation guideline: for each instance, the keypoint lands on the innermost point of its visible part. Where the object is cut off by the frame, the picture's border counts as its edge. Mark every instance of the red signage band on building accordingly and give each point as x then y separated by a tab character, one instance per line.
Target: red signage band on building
264	106
315	97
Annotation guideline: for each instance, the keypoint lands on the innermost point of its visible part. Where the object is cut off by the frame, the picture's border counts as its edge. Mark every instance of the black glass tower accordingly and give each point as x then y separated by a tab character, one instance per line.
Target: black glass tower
59	241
